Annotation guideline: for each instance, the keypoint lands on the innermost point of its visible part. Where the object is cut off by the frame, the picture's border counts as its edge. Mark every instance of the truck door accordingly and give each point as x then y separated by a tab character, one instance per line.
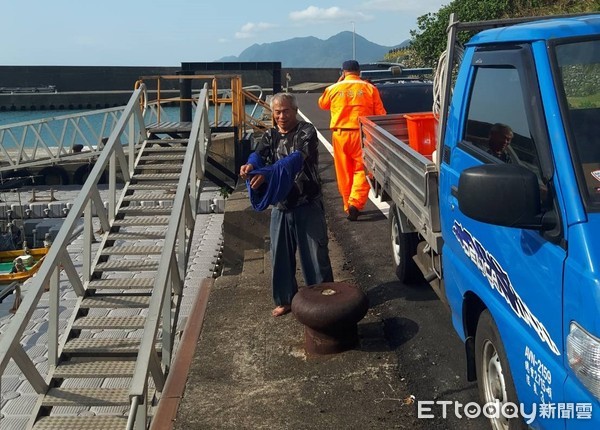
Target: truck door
516	273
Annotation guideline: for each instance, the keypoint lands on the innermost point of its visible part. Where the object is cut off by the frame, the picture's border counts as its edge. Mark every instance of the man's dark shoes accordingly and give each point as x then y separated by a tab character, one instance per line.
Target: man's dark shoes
352	213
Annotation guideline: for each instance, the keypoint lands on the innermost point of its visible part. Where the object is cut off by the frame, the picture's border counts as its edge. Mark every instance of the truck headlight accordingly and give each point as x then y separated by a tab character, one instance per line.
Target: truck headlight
583	353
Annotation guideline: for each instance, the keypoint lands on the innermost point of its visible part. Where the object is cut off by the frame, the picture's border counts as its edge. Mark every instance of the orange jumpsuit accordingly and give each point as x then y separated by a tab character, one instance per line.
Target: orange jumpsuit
348	99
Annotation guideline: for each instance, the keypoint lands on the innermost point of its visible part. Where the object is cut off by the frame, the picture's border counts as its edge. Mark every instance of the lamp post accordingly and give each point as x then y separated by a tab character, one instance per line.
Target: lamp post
353	42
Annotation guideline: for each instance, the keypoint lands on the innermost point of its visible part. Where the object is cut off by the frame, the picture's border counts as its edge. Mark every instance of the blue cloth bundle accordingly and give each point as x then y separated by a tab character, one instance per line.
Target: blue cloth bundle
279	179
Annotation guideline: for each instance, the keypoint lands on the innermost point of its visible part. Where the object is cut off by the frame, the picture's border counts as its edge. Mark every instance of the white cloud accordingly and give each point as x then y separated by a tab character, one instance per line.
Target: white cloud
250	29
313	13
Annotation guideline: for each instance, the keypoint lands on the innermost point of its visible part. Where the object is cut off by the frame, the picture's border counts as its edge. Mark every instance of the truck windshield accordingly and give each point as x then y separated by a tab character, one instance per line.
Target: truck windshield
578	79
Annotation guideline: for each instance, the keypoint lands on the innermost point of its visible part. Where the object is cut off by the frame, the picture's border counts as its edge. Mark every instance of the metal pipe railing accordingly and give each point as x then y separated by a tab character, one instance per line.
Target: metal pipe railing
132	411
50	140
235	96
129	126
170	276
119	154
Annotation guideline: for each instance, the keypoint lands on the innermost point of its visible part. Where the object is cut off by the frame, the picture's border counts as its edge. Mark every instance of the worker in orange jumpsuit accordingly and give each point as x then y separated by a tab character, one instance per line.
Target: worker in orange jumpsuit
349	98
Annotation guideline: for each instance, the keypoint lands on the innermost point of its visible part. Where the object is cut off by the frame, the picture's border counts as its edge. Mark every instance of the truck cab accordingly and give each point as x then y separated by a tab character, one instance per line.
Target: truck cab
521	255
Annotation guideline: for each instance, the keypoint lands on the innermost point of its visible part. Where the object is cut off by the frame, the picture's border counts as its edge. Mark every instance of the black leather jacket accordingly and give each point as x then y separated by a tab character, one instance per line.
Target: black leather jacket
274	145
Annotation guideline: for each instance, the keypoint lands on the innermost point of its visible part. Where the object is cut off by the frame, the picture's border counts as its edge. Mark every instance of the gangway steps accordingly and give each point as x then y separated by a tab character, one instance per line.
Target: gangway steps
145	210
103	340
136	235
170	127
121	283
161	157
164	166
142	221
133	250
88	423
91	369
153	186
157	176
89	323
87	397
166	141
115	302
97	346
139	196
126	265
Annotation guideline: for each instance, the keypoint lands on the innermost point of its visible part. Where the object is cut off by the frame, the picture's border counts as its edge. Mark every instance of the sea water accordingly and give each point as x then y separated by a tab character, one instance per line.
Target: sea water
172	114
26	132
13	117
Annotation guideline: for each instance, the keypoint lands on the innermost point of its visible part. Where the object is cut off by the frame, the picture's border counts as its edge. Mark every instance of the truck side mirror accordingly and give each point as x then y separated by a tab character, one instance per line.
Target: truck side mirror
501	194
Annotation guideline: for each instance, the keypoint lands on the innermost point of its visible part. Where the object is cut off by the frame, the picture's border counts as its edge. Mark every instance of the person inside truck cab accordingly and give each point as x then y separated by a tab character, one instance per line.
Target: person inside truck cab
500	137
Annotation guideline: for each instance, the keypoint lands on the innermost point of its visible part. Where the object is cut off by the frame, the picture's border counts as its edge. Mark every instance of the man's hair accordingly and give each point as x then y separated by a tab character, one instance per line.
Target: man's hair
279	97
351	66
500	128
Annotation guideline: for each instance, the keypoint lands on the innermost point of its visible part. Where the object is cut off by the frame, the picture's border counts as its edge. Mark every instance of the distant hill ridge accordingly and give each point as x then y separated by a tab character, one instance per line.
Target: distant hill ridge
314	52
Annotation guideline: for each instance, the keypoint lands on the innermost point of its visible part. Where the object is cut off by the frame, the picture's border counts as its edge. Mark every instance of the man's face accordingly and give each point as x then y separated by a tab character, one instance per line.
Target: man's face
499	140
284	115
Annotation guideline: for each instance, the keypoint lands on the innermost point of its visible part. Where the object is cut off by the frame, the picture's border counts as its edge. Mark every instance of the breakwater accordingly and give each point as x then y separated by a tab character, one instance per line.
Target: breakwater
97	87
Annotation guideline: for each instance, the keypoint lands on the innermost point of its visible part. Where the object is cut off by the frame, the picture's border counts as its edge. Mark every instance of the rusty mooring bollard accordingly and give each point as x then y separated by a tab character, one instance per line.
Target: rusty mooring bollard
330	313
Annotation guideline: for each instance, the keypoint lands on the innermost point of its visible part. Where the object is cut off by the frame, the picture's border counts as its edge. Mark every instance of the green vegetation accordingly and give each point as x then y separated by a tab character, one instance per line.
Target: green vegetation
224	192
582	85
429	39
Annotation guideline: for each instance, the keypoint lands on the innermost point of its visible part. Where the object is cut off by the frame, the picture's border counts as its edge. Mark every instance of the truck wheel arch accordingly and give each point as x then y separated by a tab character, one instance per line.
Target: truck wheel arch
403	245
472	307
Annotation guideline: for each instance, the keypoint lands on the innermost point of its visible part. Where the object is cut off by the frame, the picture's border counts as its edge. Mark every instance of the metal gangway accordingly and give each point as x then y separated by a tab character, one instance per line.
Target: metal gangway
138	263
62	150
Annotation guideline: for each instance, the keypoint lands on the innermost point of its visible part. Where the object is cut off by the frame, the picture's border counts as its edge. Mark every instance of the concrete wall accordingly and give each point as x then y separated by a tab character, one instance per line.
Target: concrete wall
100	78
244	229
95	87
64	100
78	78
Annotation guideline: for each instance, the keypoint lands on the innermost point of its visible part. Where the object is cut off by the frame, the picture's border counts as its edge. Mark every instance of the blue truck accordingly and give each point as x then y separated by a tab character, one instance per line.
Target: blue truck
511	241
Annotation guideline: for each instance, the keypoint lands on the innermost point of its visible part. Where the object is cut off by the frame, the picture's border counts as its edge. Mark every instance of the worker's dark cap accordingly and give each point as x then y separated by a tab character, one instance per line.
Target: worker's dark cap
351	66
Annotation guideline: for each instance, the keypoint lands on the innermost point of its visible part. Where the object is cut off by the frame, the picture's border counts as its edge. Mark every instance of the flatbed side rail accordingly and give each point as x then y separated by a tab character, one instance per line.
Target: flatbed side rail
406	176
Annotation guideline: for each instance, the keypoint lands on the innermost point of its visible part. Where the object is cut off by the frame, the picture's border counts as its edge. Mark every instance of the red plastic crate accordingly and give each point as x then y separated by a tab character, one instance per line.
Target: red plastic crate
421	132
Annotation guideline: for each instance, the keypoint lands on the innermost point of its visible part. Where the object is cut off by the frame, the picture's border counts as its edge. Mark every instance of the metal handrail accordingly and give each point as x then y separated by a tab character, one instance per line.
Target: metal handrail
257	124
235	95
175	251
132	411
257	100
127	134
51	140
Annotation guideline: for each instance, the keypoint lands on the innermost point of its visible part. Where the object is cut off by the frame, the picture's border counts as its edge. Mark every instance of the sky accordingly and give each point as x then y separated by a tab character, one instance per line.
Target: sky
168	32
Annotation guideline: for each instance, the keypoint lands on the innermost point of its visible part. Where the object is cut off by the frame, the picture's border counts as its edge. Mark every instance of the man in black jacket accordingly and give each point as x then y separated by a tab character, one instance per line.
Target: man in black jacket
298	218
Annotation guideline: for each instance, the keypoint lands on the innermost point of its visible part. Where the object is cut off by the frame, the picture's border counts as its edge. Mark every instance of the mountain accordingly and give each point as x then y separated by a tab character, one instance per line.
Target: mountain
314	52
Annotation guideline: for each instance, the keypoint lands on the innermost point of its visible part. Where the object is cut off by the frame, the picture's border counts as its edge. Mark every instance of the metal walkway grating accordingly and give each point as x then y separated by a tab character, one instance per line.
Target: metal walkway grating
104	334
84	359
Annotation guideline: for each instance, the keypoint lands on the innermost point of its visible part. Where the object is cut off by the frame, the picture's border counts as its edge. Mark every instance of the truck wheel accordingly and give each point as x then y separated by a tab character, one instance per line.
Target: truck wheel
404	247
493	374
54	175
